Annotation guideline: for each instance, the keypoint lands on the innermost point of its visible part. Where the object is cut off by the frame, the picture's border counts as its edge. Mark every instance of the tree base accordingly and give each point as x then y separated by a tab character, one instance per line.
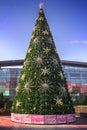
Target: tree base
43	119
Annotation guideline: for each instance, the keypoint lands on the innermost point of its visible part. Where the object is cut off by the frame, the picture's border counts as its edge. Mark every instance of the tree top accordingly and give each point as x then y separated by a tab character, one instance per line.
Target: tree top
41	5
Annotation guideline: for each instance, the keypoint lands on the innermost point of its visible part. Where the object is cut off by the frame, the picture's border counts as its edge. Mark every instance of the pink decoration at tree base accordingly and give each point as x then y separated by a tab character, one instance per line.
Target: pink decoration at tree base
37	119
16	117
49	119
70	118
42	119
26	118
61	119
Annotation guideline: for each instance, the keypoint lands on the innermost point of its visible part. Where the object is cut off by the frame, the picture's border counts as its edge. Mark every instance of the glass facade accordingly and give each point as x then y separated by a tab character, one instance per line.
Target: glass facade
8	80
76	79
76	74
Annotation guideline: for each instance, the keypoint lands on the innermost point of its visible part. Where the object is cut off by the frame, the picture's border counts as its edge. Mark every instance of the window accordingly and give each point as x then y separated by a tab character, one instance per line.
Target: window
84	81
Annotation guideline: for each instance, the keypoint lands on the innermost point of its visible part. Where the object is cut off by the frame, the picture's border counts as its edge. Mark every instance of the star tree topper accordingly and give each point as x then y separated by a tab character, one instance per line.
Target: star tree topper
41	5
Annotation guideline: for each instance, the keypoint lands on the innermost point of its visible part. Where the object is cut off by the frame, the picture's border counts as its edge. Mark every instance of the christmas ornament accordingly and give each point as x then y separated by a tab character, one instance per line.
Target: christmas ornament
18	103
45	71
61	75
50	40
39	60
41	19
46	86
55	61
59	101
26	63
34	108
27	86
45	32
29	50
23	76
62	90
36	27
46	50
17	89
32	37
36	40
55	50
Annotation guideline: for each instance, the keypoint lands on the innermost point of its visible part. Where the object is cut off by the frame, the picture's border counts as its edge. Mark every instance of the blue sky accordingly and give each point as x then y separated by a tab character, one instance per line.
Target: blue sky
67	20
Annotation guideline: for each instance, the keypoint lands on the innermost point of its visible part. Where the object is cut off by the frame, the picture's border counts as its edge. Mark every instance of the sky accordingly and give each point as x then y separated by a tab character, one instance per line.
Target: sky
67	20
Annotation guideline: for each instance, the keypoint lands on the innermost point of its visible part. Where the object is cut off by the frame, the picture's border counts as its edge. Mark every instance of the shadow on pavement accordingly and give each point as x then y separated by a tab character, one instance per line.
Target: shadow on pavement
80	121
28	128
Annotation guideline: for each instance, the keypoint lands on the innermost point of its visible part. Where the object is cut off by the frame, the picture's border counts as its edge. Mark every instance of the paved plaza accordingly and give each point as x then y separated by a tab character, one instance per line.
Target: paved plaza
7	124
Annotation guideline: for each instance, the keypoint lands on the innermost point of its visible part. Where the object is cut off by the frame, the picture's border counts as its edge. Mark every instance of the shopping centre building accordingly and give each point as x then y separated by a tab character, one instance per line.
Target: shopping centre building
75	73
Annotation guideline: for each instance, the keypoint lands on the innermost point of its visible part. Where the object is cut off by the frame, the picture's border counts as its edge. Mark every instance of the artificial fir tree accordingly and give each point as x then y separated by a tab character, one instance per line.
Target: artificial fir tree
42	87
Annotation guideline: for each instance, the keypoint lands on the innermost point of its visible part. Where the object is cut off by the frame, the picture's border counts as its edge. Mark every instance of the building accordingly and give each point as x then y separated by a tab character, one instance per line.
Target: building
8	80
75	73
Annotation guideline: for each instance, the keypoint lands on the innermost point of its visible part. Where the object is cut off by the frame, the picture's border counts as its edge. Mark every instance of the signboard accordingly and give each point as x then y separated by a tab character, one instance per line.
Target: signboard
6	93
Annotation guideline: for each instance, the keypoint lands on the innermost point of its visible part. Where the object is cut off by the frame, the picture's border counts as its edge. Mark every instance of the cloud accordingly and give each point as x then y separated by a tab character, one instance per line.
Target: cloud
75	41
85	41
78	41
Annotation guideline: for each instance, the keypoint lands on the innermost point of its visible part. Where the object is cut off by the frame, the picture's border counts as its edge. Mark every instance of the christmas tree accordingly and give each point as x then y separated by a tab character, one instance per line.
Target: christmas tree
42	87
